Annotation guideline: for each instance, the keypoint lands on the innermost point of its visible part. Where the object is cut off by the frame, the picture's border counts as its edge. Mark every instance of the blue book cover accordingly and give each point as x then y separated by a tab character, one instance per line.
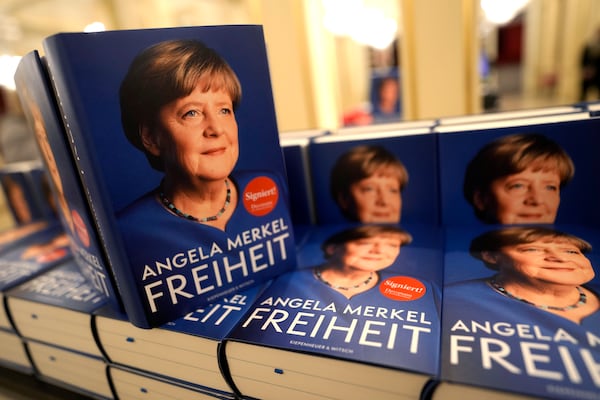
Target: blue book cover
25	187
34	249
186	349
539	173
521	310
42	112
13	235
186	218
63	286
56	307
368	295
295	155
33	255
376	178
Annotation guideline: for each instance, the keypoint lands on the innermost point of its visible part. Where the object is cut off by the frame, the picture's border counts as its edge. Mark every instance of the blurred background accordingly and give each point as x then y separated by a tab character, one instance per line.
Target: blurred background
328	57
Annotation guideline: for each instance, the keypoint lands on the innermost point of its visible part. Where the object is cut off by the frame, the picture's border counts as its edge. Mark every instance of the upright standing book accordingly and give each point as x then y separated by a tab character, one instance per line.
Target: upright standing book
184	174
380	177
568	111
359	319
41	110
521	171
295	155
521	312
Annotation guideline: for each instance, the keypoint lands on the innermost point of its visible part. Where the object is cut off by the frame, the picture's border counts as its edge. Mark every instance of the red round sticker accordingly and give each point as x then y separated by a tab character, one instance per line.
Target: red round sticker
260	196
402	288
80	228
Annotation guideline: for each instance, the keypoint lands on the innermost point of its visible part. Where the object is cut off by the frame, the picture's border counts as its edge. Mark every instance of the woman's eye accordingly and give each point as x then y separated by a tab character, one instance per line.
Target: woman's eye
226	111
552	188
516	186
191	114
529	249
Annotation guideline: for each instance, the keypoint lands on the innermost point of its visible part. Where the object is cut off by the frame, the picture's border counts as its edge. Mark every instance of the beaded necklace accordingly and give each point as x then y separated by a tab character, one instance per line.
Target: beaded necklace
171	207
364	283
581	301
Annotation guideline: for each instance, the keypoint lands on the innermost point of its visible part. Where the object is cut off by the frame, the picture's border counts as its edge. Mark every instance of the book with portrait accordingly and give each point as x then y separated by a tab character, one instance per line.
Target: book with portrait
64	184
26	190
56	308
28	257
521	313
521	171
306	337
184	350
376	177
185	218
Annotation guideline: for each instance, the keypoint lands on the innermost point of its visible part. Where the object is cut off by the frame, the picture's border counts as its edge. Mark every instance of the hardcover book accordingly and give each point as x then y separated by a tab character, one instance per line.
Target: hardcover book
397	127
521	174
543	112
56	308
521	312
359	318
185	218
296	157
25	188
134	384
383	177
76	372
12	352
10	237
30	256
186	349
41	110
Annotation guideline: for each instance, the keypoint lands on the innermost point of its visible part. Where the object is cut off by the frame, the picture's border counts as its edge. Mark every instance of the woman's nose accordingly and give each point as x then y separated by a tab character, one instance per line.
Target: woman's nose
213	126
533	196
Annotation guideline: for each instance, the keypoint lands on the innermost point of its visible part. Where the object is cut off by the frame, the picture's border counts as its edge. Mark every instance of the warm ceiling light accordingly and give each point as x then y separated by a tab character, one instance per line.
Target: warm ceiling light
365	23
95	27
8	66
500	12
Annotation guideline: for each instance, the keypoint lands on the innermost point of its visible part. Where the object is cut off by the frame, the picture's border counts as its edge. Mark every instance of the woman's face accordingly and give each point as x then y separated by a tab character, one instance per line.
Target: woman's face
377	199
549	261
370	254
530	196
199	135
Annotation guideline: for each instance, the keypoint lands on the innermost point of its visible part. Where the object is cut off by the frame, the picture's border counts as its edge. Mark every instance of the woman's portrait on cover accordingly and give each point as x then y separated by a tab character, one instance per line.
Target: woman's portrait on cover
517	179
366	182
541	275
178	104
354	257
542	267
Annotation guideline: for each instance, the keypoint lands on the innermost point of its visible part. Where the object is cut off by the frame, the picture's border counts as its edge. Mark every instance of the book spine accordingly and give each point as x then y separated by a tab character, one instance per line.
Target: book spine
87	167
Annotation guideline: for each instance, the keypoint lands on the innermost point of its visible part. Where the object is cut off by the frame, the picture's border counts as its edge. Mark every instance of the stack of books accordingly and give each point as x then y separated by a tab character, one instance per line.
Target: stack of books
448	258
